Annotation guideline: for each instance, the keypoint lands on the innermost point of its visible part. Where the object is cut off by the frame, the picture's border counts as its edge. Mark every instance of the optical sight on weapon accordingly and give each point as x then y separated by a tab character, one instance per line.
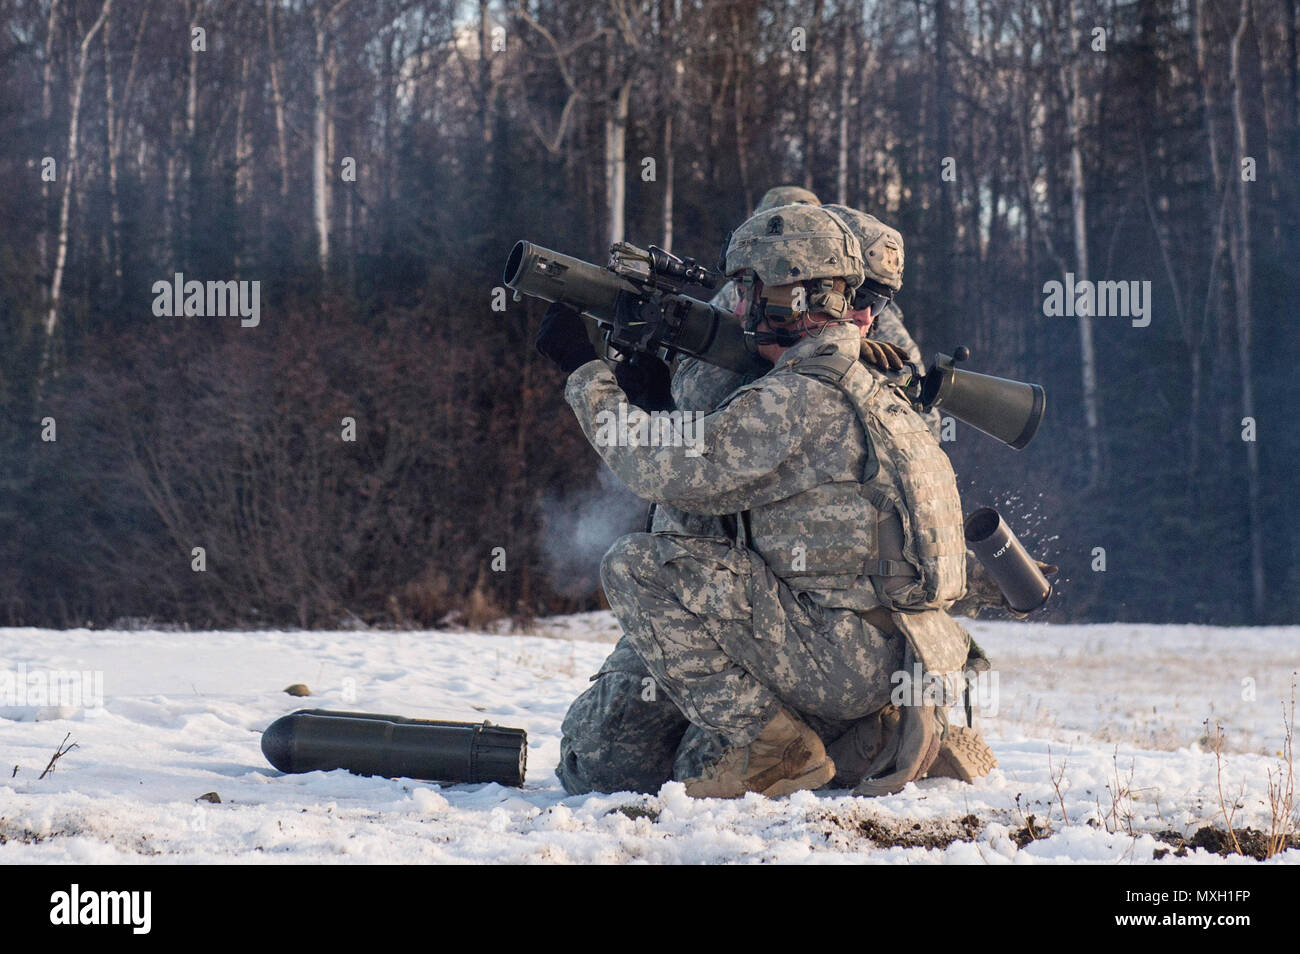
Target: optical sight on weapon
637	301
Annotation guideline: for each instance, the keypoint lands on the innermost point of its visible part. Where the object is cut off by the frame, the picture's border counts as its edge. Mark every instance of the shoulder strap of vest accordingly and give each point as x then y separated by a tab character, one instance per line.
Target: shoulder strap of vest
829	364
826	363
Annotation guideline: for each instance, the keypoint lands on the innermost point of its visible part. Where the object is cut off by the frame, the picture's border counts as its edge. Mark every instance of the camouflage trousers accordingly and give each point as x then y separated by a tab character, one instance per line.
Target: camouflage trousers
714	645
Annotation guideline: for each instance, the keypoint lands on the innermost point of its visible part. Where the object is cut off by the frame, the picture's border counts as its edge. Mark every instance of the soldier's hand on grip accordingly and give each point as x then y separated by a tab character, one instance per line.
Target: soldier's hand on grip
646	381
883	355
563	338
1047	569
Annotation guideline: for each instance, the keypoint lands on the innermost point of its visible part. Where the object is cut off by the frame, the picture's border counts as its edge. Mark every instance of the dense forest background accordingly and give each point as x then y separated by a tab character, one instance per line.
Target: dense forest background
371	163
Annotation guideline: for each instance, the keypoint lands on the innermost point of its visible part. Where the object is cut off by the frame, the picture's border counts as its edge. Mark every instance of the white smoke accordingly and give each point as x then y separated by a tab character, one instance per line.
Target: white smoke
579	527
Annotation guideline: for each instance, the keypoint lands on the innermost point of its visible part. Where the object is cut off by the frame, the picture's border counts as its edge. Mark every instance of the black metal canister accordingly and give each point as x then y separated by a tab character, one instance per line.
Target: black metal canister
312	740
1014	570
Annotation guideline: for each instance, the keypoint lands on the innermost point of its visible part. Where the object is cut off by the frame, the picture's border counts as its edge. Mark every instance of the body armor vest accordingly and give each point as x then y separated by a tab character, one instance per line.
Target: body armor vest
889	535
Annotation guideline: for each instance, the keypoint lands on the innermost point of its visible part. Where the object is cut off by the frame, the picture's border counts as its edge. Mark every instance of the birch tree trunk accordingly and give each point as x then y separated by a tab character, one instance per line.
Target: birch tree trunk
277	96
842	150
323	130
943	149
243	145
1242	292
47	111
616	160
243	160
319	182
485	84
69	175
669	28
1207	89
110	150
113	212
1079	220
742	138
191	145
668	180
810	81
169	190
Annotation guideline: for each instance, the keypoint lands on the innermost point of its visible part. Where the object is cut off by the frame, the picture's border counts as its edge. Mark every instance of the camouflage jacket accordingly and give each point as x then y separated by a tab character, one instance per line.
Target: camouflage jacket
780	448
782	434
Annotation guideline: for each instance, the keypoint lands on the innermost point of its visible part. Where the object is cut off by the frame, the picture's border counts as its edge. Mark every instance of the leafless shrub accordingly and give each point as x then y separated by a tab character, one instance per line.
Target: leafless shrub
1281	785
1216	745
63	749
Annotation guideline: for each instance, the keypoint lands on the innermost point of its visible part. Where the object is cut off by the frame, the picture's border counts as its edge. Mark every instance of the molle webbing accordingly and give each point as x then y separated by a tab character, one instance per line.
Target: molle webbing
916	482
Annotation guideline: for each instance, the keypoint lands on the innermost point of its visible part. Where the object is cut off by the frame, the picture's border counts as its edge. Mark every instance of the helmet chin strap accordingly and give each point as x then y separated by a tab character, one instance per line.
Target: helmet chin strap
822	299
782	337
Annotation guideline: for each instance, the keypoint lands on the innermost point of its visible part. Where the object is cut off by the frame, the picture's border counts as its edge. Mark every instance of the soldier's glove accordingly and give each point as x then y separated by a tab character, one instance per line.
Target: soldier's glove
982	591
1047	569
883	355
563	338
646	381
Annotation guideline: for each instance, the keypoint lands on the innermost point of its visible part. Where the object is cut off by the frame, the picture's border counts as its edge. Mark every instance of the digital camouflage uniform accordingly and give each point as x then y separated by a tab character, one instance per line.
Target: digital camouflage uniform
713	636
623	732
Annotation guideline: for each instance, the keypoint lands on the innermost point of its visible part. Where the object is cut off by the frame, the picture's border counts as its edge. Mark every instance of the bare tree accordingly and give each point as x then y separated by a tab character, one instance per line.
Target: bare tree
69	177
670	34
1241	274
277	98
1075	118
47	107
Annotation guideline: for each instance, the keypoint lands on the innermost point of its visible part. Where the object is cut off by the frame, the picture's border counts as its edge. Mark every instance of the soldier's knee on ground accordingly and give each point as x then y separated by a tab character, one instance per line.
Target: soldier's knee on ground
619	735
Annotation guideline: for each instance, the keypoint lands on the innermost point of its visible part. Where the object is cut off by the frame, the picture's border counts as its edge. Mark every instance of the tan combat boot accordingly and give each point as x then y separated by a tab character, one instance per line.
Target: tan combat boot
786	757
963	754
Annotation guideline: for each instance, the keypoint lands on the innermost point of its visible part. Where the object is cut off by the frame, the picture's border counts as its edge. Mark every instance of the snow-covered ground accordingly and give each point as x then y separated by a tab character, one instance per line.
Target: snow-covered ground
1111	716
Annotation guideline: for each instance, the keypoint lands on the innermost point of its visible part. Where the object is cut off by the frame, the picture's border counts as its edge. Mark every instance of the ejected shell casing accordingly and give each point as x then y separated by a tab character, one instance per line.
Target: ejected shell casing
364	743
1014	570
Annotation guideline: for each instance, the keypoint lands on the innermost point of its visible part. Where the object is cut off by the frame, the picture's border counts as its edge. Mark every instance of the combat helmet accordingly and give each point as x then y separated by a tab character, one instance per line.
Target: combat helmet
882	258
882	246
794	244
785	195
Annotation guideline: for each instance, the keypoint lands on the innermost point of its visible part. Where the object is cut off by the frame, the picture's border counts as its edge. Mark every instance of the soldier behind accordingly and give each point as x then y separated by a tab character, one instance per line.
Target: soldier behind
888	325
846	544
697	385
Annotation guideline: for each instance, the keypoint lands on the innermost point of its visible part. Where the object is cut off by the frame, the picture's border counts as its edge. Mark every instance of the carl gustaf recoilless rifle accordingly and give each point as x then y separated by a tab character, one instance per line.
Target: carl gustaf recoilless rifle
638	303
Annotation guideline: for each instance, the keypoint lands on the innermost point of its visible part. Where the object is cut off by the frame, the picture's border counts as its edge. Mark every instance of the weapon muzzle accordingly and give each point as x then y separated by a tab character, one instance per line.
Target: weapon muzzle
553	276
1010	411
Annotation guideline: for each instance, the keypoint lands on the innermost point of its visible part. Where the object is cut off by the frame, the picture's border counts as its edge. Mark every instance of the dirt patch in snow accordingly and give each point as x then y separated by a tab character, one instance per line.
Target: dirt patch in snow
885	833
1253	842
